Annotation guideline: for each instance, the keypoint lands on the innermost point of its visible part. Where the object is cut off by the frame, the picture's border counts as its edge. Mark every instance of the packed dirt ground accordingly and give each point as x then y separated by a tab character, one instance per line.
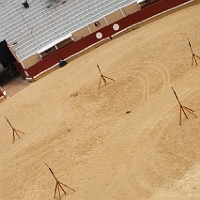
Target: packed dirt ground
121	141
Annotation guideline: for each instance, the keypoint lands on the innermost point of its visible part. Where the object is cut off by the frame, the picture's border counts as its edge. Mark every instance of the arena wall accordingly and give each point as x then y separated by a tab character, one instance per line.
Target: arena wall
64	43
81	33
2	96
131	9
85	40
113	17
65	52
32	60
102	23
23	72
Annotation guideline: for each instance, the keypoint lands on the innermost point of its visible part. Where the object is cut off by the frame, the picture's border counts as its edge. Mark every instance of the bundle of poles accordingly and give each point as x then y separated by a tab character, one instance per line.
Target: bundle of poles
183	108
103	77
15	131
194	56
59	185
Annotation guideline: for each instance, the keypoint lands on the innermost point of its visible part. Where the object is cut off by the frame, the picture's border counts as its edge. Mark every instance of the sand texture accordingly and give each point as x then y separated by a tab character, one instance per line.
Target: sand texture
88	138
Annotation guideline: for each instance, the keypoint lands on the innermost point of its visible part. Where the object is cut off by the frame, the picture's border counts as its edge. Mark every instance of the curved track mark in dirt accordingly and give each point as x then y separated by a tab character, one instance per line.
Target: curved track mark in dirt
145	79
126	71
152	65
162	69
164	72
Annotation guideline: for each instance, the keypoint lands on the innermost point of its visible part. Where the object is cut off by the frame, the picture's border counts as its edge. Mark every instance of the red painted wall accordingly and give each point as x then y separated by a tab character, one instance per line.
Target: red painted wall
1	93
20	69
143	14
107	31
63	53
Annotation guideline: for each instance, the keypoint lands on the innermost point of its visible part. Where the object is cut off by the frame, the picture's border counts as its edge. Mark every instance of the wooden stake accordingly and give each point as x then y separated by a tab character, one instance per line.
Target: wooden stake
183	108
103	77
194	56
58	184
15	131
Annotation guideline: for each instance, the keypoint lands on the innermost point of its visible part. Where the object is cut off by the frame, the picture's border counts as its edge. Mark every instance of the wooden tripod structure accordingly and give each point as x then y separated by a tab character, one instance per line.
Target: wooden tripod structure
15	131
103	77
59	185
183	108
194	56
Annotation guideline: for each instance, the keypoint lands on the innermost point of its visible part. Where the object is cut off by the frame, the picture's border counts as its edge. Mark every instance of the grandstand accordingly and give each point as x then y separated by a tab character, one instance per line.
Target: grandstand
41	33
28	30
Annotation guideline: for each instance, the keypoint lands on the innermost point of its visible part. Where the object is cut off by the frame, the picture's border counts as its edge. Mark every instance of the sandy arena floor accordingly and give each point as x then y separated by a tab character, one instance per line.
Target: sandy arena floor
90	142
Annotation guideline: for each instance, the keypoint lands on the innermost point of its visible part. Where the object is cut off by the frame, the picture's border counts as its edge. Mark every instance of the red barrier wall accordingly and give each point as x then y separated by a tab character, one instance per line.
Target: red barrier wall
143	14
1	93
63	53
107	31
20	69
